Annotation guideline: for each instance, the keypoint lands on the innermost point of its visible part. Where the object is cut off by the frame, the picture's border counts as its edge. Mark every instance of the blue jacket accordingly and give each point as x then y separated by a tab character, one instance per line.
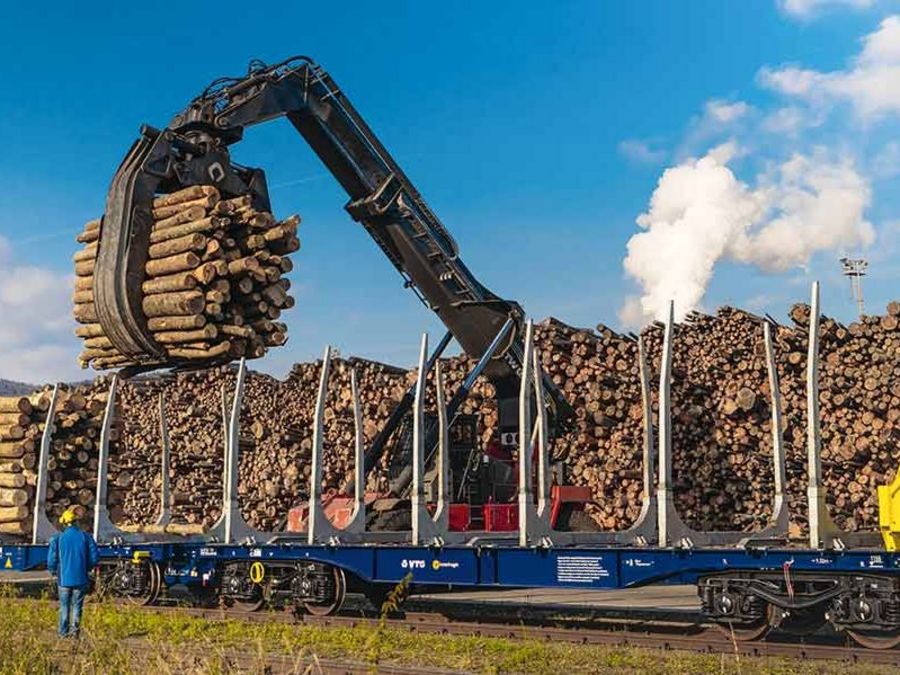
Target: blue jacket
72	555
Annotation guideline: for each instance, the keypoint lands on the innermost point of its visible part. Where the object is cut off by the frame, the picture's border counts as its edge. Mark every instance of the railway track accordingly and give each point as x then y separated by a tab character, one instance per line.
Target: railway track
652	629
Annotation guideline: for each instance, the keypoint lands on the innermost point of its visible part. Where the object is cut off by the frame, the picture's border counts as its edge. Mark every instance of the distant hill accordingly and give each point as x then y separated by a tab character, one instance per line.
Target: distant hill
11	388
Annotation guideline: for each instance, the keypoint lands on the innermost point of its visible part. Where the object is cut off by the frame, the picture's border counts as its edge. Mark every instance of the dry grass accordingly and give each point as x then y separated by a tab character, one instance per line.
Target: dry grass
120	640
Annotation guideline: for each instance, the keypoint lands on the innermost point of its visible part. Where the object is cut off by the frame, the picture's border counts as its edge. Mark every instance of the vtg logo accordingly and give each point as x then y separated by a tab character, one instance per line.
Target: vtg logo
412	564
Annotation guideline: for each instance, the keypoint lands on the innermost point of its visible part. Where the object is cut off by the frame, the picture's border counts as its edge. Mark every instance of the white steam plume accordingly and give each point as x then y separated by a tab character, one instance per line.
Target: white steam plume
700	213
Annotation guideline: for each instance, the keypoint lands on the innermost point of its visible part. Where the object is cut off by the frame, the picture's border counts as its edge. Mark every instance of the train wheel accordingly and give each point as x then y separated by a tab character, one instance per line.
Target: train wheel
256	603
335	599
123	582
752	630
875	639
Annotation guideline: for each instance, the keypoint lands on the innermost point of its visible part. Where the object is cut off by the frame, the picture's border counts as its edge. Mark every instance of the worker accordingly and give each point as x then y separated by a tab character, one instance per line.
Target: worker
71	557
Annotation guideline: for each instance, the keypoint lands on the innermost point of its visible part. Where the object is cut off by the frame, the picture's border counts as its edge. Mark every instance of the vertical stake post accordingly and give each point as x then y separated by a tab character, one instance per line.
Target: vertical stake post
165	516
664	495
442	509
543	484
315	477
100	513
357	516
232	506
422	525
42	528
779	518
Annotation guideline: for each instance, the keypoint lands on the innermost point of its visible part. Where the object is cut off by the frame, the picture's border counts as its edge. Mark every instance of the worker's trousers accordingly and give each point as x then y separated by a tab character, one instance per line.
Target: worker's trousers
71	600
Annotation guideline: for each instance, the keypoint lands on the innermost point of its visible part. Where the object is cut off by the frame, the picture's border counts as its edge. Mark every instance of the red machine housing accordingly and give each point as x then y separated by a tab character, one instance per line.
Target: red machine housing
490	517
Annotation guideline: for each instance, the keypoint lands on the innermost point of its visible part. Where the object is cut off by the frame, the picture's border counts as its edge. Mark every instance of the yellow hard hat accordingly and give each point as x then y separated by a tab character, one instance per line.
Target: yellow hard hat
68	516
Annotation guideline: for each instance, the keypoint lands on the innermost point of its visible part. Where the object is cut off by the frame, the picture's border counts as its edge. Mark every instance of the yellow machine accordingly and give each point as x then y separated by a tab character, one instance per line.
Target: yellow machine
889	513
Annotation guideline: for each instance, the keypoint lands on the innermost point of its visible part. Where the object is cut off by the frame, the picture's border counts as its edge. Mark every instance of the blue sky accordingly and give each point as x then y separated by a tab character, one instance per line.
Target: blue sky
538	131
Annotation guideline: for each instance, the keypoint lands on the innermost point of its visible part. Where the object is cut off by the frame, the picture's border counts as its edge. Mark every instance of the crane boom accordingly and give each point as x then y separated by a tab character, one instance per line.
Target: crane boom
194	149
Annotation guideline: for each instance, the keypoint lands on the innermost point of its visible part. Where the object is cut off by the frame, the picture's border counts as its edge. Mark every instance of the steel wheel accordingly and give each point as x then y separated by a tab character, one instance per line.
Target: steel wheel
875	639
253	605
333	604
151	593
751	631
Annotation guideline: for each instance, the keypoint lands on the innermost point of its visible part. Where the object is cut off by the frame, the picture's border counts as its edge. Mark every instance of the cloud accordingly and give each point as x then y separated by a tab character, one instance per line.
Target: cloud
886	163
641	152
719	120
36	332
870	84
724	112
789	121
701	214
808	9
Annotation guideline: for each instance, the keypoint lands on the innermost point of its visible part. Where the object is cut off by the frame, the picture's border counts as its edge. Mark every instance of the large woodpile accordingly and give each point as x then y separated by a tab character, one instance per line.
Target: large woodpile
721	429
721	425
213	287
21	426
859	410
72	478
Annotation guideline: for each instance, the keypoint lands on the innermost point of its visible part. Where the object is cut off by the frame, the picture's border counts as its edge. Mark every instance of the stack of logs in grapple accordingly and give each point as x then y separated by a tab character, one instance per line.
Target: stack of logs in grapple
213	287
720	422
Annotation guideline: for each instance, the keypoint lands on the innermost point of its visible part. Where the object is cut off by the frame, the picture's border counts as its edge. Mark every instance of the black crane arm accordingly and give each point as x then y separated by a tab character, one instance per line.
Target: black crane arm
193	149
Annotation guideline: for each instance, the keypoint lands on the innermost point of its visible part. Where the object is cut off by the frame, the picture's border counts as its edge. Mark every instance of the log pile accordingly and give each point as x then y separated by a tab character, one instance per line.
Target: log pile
72	477
859	397
721	424
213	288
721	429
21	425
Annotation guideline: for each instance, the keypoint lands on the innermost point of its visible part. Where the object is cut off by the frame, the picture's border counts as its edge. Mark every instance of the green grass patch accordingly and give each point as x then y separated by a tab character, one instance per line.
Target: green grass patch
122	640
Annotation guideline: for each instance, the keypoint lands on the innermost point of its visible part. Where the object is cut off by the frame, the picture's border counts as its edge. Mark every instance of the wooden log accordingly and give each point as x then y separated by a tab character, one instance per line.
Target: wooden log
88	236
91	232
85	268
206	272
85	313
189	242
243	265
173	304
11	432
15	418
184	529
220	267
163	212
170	323
89	252
285	246
19	404
203	225
84	283
101	342
11	450
89	330
13	497
12	480
19	528
217	350
187	194
112	361
180	281
185	216
9	514
208	332
172	264
237	331
83	297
